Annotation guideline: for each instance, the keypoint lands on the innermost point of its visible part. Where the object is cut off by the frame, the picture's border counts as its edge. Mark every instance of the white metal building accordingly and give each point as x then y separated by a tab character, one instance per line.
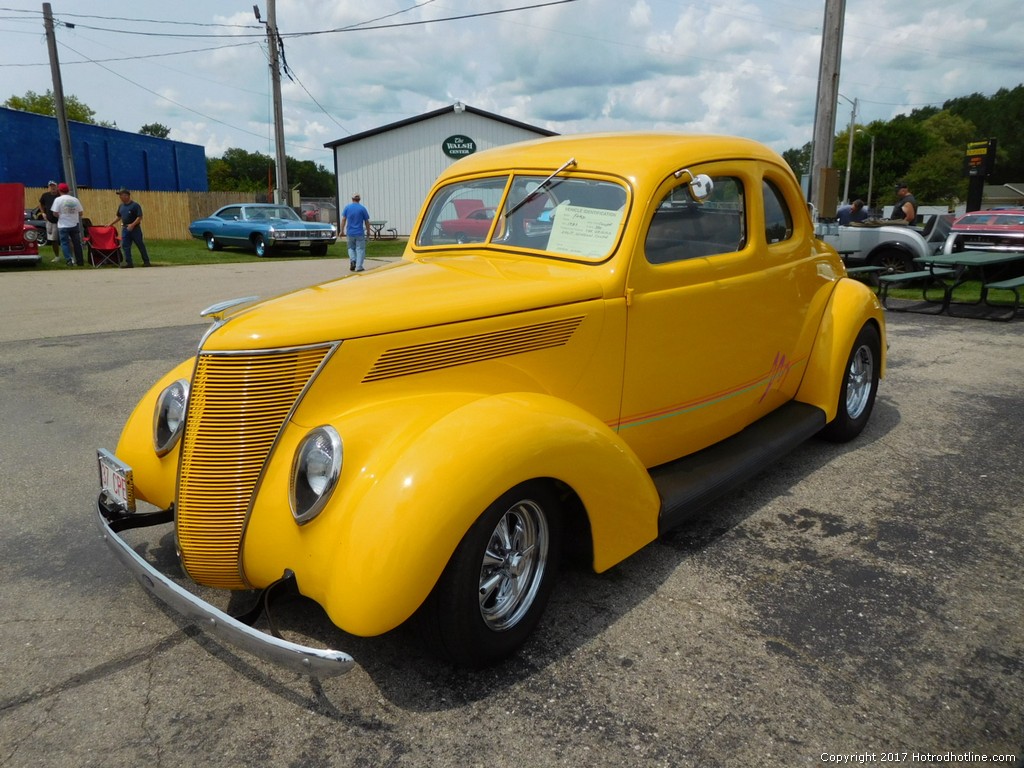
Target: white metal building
393	167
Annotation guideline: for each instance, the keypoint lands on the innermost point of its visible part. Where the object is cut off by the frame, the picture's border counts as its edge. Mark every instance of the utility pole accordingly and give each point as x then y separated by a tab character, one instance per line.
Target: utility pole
822	174
58	102
281	193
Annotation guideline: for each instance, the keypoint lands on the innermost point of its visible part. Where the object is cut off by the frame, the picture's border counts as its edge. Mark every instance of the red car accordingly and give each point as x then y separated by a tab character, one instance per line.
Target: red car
472	223
1000	229
18	239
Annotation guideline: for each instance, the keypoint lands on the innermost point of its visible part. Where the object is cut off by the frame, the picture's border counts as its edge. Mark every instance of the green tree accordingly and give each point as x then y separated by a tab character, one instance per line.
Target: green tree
926	147
243	171
155	129
45	104
799	159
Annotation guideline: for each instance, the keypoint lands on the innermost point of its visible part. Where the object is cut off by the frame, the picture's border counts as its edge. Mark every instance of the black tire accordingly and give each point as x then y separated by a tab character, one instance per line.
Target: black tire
259	245
860	385
498	581
461	238
212	244
893	261
320	249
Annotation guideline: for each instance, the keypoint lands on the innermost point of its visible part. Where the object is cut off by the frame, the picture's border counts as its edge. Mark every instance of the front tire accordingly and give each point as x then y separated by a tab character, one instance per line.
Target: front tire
320	249
860	385
498	581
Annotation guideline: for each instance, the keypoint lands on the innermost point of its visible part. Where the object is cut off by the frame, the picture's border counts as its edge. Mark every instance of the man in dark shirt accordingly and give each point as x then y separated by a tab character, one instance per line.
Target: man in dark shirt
906	204
45	205
130	214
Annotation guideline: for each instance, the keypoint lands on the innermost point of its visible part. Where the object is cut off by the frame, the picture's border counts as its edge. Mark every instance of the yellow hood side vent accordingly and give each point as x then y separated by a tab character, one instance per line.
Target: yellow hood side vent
449	353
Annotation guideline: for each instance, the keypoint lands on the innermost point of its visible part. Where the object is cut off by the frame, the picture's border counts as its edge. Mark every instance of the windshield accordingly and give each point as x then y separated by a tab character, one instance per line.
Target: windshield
559	216
271	212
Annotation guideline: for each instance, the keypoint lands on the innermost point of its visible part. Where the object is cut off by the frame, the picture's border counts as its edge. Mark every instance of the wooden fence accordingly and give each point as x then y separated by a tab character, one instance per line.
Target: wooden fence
166	215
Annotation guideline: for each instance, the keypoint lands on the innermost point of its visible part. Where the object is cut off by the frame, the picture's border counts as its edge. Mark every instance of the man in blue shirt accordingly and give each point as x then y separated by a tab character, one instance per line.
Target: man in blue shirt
851	213
355	223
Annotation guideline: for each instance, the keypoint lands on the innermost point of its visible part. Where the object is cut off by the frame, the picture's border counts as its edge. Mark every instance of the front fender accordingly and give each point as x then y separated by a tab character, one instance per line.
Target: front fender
401	508
851	305
155	476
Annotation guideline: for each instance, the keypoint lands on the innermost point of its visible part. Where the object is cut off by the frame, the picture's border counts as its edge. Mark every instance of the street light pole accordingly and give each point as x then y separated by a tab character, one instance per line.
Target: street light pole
849	150
871	171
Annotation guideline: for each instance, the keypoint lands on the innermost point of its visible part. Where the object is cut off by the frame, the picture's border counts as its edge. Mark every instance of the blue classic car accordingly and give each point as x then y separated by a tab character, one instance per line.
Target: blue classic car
261	227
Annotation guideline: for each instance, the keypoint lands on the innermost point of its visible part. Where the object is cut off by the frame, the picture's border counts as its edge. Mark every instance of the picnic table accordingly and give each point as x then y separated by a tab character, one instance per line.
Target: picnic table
949	271
377	231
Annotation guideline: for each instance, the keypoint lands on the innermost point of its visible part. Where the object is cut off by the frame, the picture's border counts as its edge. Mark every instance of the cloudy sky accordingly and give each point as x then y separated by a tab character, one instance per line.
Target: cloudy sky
744	67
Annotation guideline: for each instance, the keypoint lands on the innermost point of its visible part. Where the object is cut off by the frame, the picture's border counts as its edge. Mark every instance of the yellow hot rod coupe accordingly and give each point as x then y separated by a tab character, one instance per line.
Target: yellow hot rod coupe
645	321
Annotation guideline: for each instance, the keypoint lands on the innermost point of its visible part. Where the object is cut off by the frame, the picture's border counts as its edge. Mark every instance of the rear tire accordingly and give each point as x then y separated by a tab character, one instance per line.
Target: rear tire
212	244
860	385
893	261
498	581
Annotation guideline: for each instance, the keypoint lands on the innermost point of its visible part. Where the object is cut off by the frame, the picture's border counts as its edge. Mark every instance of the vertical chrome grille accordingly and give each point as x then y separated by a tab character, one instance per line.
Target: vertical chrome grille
238	404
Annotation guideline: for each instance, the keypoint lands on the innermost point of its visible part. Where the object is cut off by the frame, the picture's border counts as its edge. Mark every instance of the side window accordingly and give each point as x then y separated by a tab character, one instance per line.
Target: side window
683	229
778	222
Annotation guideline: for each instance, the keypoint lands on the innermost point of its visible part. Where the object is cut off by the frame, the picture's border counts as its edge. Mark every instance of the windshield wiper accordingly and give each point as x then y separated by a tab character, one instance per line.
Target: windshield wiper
534	192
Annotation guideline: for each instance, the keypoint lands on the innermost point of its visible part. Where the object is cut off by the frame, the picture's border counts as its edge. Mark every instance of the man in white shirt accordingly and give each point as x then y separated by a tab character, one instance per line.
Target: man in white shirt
69	225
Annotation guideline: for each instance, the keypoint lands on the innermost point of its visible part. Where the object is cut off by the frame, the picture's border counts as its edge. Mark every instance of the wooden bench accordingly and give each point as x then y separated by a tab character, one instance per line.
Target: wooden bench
1013	284
926	276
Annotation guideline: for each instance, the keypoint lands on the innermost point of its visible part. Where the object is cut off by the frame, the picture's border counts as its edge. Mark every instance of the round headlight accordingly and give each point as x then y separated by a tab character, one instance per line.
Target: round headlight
31	235
315	472
169	416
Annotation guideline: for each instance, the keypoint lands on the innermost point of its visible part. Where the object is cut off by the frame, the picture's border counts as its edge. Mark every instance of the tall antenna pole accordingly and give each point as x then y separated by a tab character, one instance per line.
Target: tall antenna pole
281	191
58	102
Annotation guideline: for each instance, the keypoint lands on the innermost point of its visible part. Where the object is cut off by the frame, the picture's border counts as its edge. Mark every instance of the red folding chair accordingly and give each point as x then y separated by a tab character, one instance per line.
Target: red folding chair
104	246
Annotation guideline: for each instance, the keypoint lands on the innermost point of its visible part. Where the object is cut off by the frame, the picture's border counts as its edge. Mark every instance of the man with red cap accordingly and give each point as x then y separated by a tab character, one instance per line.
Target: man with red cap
69	225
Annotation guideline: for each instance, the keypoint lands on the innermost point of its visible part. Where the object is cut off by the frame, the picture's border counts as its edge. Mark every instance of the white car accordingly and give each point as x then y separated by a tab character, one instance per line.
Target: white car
890	246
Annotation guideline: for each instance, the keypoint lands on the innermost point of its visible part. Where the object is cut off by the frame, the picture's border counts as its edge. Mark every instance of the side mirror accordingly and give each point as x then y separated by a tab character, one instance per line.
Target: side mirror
700	185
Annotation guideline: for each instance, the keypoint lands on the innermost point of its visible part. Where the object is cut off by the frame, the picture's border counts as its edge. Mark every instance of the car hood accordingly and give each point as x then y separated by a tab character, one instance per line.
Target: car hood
406	295
1013	229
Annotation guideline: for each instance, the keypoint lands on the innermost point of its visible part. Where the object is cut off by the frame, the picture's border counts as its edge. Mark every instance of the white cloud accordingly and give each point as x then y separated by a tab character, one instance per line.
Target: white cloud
742	67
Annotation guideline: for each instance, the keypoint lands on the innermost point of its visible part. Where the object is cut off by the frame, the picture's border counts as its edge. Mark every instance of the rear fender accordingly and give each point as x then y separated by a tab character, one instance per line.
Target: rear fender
851	305
402	506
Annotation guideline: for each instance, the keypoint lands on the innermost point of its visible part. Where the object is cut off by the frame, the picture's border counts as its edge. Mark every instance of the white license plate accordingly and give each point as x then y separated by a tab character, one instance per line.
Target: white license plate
116	481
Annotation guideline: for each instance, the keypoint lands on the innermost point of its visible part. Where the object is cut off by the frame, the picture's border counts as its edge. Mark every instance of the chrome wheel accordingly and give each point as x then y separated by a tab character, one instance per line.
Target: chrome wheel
498	581
513	565
860	380
260	245
859	387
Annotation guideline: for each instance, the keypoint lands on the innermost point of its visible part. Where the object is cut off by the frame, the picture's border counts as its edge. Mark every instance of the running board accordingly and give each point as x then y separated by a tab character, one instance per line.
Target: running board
687	484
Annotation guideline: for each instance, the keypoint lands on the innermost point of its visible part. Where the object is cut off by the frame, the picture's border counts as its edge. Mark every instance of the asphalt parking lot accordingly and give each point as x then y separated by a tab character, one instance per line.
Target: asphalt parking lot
853	602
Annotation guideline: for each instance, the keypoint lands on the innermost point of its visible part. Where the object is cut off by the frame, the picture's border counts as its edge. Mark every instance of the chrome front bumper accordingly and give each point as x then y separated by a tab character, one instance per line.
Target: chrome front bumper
298	658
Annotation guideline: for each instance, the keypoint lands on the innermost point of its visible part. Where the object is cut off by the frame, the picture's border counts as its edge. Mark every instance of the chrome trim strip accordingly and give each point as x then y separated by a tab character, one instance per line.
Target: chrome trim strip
306	660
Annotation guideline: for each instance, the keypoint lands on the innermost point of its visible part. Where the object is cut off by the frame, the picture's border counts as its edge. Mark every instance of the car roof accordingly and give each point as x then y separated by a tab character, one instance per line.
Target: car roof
637	153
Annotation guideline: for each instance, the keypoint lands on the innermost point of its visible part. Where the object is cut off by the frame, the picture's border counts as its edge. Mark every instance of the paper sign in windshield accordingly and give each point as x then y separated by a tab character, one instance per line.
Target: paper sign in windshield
588	232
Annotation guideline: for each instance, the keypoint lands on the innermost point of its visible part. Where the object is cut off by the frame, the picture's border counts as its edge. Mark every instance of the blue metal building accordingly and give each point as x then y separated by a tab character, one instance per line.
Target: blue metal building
105	158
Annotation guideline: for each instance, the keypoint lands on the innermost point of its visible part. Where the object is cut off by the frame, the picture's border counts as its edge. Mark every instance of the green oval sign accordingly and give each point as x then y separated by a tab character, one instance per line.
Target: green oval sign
458	146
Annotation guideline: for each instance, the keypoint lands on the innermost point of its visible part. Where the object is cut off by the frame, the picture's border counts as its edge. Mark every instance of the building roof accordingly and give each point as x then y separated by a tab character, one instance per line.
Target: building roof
438	113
